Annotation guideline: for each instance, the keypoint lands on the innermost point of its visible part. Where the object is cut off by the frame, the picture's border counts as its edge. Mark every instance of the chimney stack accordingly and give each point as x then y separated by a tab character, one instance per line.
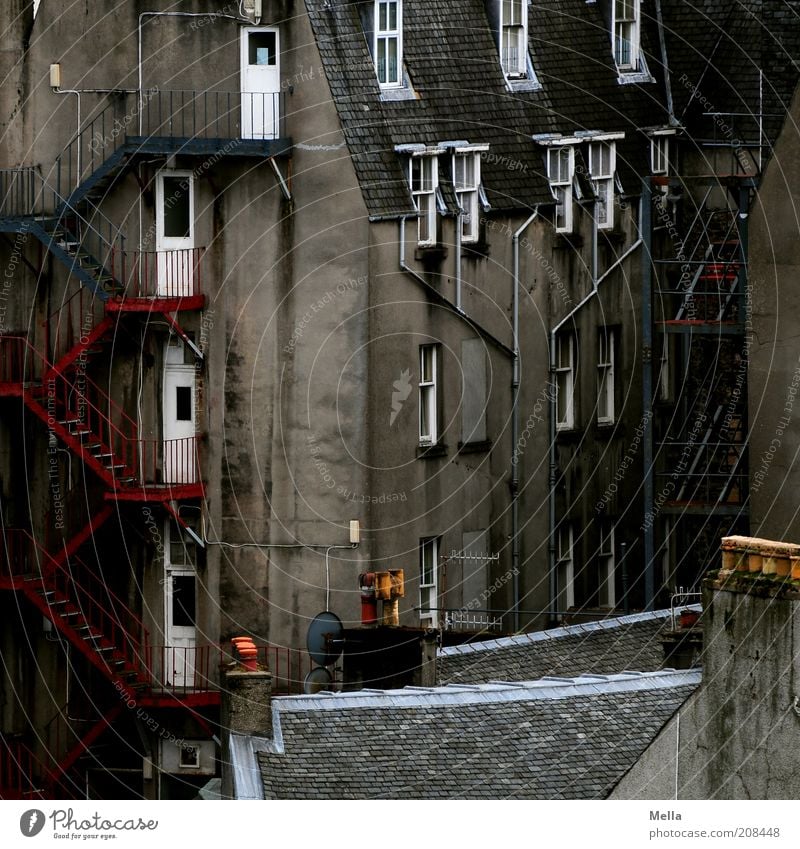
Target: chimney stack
246	710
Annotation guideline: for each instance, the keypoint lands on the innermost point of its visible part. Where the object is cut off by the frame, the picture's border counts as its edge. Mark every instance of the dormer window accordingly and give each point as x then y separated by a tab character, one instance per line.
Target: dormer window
389	42
602	165
626	34
466	181
424	181
514	38
560	173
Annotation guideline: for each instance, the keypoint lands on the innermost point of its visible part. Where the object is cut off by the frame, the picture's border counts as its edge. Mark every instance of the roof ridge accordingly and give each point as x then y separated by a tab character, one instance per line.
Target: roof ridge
556	633
543	688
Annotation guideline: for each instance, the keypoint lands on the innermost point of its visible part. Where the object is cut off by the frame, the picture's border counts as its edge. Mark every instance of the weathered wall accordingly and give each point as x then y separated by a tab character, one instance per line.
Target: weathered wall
774	373
736	735
17	17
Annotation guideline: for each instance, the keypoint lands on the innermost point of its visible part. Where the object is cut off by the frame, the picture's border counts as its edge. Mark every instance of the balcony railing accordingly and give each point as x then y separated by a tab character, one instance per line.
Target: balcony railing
20	192
196	669
224	119
17	768
159	274
169	461
461	619
17	365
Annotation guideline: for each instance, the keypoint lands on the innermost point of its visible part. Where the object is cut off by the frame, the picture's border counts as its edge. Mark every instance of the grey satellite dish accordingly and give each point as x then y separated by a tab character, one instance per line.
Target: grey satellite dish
324	639
317	680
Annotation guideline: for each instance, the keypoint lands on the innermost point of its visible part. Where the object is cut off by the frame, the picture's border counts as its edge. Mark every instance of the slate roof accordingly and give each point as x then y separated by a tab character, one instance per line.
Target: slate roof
717	51
548	739
607	646
715	47
460	93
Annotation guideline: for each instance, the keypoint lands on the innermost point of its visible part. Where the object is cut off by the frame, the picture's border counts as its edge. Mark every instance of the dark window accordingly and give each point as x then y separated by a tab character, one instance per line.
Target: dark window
183	403
261	47
177	224
190	757
183	600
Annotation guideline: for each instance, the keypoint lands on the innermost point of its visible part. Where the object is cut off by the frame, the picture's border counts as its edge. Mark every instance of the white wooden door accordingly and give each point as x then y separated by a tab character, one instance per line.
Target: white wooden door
180	606
261	83
179	425
175	234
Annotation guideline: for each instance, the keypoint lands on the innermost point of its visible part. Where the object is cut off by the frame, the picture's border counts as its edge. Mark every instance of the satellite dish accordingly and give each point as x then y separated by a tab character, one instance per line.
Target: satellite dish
325	638
317	680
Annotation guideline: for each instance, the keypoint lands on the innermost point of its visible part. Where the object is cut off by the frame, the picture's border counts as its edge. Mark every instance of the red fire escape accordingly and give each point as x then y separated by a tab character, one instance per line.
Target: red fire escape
109	283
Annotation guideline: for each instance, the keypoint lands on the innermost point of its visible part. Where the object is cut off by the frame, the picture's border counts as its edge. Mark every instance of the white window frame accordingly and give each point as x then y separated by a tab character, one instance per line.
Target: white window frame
606	343
514	38
565	563
659	154
424	189
625	31
607	564
602	167
384	36
429	583
428	394
561	173
565	380
468	192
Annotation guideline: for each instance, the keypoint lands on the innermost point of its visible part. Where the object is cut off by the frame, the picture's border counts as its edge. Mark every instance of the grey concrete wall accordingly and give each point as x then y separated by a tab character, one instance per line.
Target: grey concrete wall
17	17
774	374
736	735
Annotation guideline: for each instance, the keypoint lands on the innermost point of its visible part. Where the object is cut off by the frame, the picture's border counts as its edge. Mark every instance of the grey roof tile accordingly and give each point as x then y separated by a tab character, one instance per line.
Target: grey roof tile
572	743
607	646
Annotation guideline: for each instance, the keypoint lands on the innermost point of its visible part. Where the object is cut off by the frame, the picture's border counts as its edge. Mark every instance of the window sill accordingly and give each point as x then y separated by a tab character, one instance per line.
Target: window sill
523	84
425	452
568	434
401	92
628	77
475	447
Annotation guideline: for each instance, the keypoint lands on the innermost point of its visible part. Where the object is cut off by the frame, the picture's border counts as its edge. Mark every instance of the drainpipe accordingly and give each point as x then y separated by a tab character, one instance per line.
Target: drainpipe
515	383
459	307
645	217
596	281
665	65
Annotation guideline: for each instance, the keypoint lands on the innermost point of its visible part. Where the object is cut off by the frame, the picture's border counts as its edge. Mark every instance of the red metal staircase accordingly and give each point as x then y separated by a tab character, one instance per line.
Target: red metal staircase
97	430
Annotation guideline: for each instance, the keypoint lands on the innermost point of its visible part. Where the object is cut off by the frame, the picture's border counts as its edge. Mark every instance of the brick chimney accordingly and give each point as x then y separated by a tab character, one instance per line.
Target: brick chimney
246	710
751	663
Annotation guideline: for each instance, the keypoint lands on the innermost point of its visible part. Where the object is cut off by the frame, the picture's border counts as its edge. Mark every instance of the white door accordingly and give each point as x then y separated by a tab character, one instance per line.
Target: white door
174	234
261	83
180	606
179	459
